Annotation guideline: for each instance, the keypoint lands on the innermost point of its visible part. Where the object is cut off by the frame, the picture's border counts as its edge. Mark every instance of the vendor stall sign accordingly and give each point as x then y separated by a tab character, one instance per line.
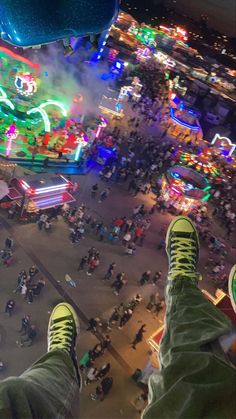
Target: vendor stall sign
224	144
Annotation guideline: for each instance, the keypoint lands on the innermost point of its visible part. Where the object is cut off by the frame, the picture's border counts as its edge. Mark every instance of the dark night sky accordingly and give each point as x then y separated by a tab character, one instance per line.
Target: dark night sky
221	13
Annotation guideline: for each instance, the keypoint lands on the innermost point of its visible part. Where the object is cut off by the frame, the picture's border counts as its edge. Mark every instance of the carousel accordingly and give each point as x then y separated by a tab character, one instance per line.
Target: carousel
184	188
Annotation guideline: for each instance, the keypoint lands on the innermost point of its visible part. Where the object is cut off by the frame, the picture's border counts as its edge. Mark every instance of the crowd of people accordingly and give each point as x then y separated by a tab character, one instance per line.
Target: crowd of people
137	166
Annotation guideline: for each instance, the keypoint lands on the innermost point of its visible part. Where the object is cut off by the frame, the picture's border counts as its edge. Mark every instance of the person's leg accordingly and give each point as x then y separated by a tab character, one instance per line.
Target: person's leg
47	388
196	379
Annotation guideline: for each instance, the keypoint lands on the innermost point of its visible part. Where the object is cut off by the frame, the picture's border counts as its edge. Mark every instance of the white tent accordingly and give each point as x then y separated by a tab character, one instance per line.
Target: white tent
4	190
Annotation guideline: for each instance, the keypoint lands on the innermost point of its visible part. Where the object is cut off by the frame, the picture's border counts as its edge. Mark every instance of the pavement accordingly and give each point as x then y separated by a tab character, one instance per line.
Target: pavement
55	256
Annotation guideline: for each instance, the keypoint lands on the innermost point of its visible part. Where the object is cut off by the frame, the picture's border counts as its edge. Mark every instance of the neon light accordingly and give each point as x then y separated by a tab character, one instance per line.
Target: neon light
7	102
26	185
78	152
165	28
54	103
184	124
27	80
51	189
102	124
176	190
19	58
44	115
11	134
50	201
98	132
206	197
222	141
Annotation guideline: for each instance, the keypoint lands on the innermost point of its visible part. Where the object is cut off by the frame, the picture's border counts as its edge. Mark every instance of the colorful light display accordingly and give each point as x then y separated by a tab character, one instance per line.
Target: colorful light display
200	162
101	125
25	84
183	116
11	134
32	115
184	188
143	54
224	144
147	35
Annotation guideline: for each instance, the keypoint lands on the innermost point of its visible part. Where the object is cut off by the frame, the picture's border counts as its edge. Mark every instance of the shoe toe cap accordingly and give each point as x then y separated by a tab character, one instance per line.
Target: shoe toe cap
183	224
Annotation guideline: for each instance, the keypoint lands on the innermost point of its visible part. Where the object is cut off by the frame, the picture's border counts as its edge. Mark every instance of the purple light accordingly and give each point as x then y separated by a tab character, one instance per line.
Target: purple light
180	122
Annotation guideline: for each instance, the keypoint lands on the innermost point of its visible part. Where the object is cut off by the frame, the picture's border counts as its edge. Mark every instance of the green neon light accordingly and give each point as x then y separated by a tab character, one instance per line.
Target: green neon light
78	152
44	115
5	100
206	197
54	103
207	188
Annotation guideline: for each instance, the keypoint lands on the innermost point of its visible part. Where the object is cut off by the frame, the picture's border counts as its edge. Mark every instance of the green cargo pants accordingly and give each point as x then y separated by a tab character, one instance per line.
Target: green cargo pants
44	391
196	379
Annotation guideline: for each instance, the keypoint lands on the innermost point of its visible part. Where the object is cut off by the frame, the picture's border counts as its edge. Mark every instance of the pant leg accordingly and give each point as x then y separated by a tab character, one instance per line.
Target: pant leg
44	391
196	379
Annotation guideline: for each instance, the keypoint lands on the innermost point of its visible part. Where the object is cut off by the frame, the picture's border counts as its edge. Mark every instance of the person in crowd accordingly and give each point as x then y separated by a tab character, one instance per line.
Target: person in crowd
83	263
104	194
106	385
119	283
103	371
92	375
33	270
10	307
70	281
9	243
98	395
94	190
25	324
154	300
22	277
126	238
145	277
156	278
139	336
92	265
30	337
110	272
106	341
125	317
93	324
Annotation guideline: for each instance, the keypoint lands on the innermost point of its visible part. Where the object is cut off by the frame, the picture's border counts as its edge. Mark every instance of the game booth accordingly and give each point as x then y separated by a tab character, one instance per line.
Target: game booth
38	193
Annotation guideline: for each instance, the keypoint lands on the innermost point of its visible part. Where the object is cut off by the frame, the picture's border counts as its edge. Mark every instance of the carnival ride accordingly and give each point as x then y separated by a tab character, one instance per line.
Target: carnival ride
31	123
184	188
200	162
27	24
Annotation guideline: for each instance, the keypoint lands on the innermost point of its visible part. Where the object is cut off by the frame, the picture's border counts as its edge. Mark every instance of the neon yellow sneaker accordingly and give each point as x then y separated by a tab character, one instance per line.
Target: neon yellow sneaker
63	330
182	247
232	287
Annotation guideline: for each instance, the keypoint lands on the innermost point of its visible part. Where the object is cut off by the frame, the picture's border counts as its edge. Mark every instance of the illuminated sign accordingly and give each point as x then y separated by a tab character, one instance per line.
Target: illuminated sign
224	144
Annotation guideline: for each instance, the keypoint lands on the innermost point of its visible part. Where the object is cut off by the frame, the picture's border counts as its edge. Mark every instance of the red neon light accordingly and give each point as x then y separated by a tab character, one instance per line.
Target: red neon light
20	58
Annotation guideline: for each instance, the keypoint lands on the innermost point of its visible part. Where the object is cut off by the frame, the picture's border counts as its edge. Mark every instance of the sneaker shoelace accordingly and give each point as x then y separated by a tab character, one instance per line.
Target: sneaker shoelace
183	255
61	334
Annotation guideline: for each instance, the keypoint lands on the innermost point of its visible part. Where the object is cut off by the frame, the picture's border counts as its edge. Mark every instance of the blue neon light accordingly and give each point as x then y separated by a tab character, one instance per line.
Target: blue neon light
184	124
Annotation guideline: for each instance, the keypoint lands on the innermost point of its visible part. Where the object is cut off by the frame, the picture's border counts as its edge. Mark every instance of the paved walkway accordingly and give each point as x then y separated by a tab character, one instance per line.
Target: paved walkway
55	256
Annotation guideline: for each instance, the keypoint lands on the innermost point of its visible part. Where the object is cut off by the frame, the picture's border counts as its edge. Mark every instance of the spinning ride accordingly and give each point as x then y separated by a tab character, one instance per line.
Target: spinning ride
31	124
184	188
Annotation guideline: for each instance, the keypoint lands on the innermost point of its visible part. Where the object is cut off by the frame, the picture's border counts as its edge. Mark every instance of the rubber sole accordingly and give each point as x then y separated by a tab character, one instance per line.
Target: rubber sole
232	287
